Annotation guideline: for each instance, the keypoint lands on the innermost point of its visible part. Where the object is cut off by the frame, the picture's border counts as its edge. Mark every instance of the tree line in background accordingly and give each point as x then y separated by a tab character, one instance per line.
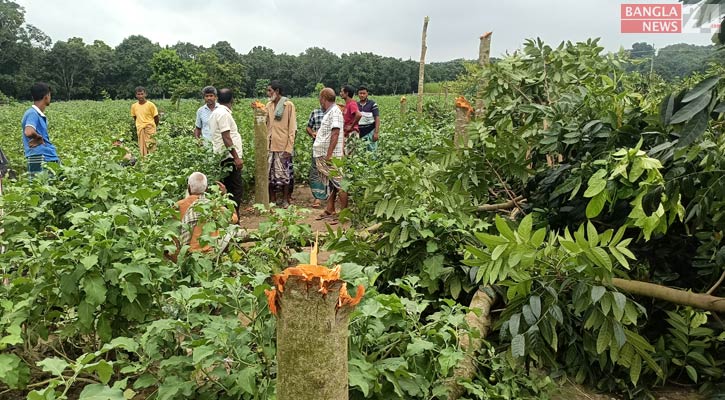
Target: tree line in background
79	70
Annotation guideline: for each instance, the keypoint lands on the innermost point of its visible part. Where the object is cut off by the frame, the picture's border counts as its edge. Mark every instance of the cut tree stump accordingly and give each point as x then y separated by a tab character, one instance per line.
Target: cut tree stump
261	148
313	311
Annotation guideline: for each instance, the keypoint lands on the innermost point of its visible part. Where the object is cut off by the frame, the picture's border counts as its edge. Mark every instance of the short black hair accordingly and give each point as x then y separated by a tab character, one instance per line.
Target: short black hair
277	86
349	90
39	90
140	89
208	90
225	96
362	88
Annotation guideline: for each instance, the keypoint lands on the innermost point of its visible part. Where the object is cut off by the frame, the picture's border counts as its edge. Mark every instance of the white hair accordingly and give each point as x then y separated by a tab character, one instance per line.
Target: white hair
197	183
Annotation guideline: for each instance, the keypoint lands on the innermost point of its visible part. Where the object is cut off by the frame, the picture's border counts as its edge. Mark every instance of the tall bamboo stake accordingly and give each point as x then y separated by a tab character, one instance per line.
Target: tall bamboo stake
484	49
421	70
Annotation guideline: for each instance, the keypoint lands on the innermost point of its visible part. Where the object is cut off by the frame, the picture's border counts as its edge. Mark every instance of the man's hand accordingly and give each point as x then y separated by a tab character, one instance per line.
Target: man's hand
36	141
238	163
286	155
375	137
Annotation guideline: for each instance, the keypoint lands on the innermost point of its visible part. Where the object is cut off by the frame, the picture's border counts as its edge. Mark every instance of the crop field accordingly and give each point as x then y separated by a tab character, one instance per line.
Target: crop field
560	222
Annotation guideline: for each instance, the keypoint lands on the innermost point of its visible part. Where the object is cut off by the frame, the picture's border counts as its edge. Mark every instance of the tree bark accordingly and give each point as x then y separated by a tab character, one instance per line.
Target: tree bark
463	116
311	342
261	149
403	105
421	69
466	369
677	296
484	49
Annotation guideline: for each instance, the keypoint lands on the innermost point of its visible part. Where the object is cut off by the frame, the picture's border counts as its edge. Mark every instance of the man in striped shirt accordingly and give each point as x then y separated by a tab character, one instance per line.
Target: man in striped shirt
201	129
329	144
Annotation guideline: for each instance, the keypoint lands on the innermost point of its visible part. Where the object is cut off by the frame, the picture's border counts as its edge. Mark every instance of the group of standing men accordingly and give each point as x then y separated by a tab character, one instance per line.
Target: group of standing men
328	125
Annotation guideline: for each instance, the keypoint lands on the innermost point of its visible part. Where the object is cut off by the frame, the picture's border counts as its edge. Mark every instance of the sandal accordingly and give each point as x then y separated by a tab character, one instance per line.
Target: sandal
325	215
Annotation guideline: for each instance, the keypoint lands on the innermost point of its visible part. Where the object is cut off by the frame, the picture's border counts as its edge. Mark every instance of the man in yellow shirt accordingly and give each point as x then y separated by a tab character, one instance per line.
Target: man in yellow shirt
281	128
146	116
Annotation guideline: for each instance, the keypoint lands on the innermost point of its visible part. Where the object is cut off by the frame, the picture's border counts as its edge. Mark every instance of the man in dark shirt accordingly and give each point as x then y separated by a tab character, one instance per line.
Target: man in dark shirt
370	118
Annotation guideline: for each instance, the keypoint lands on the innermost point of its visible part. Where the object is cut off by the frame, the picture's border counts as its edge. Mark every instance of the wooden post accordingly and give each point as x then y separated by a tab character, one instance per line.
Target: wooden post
463	116
421	69
313	311
261	149
484	49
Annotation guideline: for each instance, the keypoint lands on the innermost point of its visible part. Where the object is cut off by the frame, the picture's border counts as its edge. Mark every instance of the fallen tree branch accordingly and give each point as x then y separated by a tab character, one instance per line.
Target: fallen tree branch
502	206
717	284
677	296
481	322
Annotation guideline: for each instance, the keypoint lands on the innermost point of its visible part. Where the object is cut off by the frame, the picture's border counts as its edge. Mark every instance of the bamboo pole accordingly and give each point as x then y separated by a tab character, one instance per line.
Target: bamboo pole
261	149
421	69
463	117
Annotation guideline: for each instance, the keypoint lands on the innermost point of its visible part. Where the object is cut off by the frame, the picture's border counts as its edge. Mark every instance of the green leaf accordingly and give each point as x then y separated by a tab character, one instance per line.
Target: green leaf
597	293
95	288
596	205
498	251
54	365
535	303
518	346
504	229
701	88
203	352
525	228
144	381
691	372
538	237
666	108
514	323
89	261
620	302
13	371
604	338
247	380
720	108
491	241
596	183
693	129
96	391
592	235
691	108
599	257
635	369
418	346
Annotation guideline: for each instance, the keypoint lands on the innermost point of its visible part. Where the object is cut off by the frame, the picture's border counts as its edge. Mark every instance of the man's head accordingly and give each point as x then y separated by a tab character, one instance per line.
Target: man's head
40	92
140	94
197	183
347	92
275	90
226	97
327	98
362	93
210	95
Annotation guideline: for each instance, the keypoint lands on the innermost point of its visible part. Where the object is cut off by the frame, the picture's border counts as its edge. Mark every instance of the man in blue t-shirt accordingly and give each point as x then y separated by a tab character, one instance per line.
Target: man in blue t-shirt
38	147
370	119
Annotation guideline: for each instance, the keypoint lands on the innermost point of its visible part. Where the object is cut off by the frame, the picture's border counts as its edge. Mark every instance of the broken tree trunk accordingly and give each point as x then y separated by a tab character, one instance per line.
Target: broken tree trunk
463	117
261	146
403	105
313	310
484	49
466	369
421	69
677	296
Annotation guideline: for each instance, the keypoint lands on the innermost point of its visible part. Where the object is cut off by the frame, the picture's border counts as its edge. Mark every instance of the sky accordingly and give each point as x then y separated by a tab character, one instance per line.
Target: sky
385	27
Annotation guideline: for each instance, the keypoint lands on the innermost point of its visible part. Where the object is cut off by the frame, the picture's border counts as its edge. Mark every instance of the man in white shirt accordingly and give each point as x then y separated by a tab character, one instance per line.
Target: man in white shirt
201	128
227	142
329	143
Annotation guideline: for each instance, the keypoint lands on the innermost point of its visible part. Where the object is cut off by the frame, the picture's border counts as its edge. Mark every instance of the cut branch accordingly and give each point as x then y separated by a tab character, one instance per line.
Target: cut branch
421	70
502	206
677	296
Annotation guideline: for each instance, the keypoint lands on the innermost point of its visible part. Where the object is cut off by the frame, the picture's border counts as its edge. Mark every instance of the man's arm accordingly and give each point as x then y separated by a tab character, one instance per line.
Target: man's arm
156	119
197	126
197	132
33	135
333	142
229	144
311	132
291	130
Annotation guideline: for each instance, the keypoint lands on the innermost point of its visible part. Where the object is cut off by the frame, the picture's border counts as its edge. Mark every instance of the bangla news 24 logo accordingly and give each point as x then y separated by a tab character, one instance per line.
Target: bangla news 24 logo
691	17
